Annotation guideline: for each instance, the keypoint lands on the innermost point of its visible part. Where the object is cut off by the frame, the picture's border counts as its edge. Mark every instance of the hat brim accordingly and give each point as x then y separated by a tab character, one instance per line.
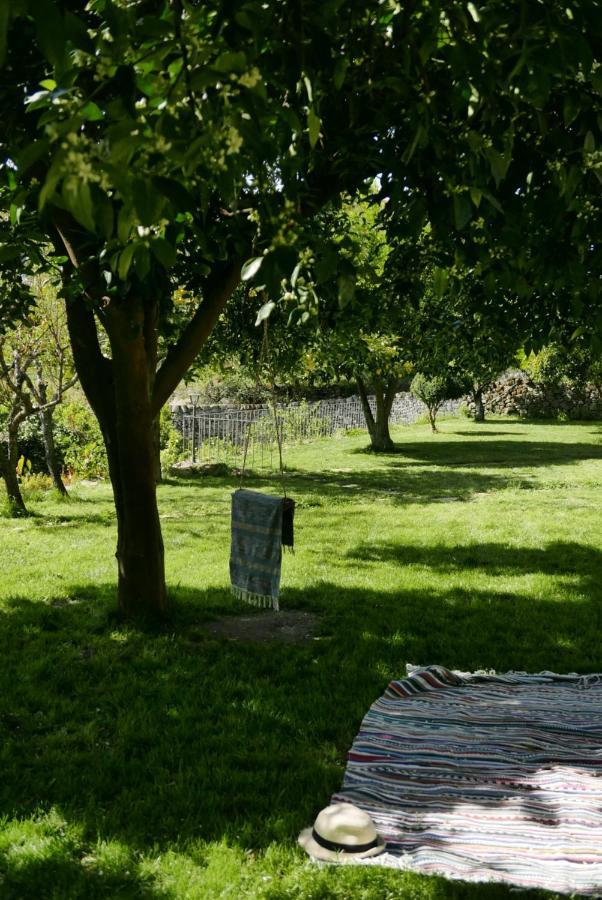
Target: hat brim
316	851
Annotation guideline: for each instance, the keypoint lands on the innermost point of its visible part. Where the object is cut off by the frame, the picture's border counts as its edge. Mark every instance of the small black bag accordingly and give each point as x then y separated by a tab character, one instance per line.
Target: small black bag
288	518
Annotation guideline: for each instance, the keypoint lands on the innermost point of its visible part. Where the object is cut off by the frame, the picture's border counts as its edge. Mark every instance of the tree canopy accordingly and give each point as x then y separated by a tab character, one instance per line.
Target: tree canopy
173	144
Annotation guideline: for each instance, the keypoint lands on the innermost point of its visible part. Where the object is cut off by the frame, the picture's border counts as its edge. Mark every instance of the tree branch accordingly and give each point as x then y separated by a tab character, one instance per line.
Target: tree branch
93	368
365	402
220	287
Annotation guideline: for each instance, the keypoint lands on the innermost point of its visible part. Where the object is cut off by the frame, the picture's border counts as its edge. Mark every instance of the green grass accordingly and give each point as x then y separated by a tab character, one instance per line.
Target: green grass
166	764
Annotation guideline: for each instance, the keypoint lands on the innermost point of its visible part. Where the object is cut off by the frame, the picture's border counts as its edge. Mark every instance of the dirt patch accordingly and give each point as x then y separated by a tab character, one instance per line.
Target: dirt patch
285	627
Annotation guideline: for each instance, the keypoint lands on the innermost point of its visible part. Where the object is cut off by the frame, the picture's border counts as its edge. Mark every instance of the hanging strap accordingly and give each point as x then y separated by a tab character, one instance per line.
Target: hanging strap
264	357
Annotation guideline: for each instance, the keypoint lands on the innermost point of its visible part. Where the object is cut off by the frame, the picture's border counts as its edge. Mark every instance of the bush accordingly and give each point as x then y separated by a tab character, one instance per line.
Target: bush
555	365
34	486
434	391
170	440
548	367
79	439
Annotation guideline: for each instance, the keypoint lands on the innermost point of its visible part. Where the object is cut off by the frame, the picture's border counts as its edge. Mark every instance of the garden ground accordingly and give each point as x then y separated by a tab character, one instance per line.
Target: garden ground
176	764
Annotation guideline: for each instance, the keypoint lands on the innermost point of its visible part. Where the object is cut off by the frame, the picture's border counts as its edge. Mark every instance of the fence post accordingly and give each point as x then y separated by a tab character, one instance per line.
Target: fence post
194	431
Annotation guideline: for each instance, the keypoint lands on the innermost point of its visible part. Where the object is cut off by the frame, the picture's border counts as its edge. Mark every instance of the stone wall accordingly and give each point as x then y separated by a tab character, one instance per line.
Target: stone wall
514	394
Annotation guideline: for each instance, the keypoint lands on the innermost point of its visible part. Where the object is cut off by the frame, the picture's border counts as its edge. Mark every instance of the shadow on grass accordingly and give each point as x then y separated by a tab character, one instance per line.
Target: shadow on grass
557	558
154	738
491	454
404	484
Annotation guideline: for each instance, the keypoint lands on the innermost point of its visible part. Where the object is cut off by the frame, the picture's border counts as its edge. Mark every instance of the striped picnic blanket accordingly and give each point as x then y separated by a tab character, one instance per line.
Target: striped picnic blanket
484	777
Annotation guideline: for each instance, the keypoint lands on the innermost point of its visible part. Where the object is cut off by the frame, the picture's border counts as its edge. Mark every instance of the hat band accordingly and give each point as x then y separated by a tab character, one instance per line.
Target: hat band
342	848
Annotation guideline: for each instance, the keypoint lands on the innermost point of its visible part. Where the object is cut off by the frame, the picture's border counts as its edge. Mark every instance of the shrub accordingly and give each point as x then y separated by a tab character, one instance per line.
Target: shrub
433	391
80	441
170	440
34	486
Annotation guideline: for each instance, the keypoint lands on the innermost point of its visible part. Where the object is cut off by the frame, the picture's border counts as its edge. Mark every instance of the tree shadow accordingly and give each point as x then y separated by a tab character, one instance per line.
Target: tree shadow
407	483
557	558
487	433
493	454
183	733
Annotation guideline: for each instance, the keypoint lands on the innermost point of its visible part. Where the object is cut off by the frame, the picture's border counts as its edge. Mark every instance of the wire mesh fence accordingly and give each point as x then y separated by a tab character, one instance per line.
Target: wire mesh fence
218	435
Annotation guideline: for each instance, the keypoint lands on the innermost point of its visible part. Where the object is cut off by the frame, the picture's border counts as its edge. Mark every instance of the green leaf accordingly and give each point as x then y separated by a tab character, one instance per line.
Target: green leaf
473	12
589	144
50	31
340	70
264	312
48	84
499	163
346	288
476	196
164	252
308	88
440	281
251	268
125	221
231	61
493	200
313	124
462	210
77	197
125	260
92	112
31	154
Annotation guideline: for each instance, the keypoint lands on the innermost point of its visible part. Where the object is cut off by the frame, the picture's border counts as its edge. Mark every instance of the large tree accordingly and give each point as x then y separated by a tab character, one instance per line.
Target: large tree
165	143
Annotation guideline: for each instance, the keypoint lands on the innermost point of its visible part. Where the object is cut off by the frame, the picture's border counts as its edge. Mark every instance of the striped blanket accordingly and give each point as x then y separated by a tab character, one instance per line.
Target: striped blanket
485	777
256	547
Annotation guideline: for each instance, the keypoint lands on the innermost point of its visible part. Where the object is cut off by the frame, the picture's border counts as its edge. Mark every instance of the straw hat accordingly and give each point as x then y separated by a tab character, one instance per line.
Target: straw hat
342	833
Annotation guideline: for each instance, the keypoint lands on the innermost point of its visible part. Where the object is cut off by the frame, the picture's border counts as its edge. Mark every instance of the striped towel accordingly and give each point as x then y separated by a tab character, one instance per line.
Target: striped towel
484	777
256	548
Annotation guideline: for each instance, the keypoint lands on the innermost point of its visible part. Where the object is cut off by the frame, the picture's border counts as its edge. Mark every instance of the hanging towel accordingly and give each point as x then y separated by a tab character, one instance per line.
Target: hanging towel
256	549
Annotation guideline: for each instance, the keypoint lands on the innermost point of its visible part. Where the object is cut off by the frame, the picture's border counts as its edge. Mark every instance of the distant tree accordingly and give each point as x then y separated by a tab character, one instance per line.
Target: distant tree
35	374
433	391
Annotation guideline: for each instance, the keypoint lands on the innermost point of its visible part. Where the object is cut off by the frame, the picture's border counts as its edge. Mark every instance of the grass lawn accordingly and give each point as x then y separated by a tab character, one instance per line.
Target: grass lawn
169	764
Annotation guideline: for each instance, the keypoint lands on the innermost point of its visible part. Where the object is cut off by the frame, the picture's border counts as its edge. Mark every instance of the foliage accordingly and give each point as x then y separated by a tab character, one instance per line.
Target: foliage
434	390
80	441
170	441
431	391
36	485
31	444
146	798
558	363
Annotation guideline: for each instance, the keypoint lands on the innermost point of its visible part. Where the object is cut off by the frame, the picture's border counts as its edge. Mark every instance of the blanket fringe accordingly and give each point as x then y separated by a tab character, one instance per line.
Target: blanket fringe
264	601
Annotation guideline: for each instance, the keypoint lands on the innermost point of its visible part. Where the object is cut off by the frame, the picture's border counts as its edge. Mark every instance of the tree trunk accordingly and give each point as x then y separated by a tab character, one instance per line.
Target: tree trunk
479	407
132	461
432	414
378	425
46	422
126	394
8	472
157	449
